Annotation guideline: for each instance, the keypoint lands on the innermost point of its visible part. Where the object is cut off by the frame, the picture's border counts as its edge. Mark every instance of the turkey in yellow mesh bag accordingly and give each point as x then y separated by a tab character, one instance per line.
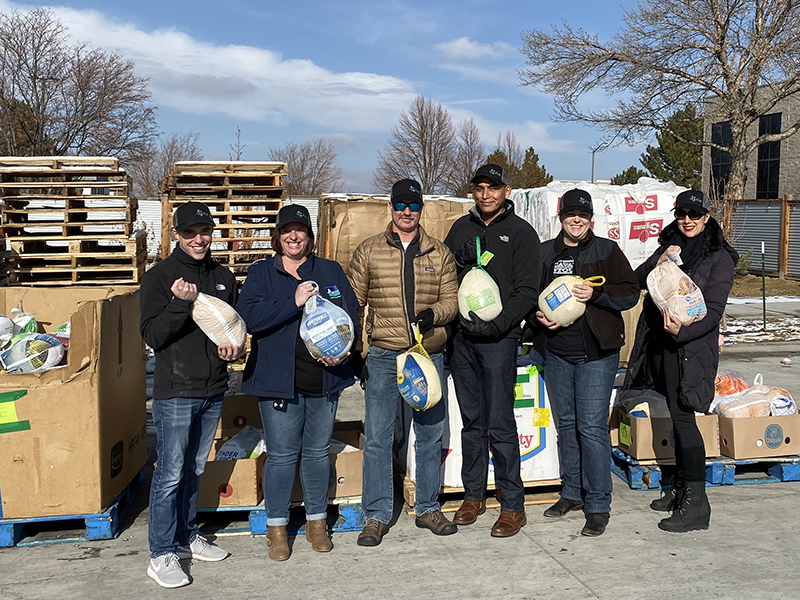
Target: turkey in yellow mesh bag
417	377
219	321
557	302
478	292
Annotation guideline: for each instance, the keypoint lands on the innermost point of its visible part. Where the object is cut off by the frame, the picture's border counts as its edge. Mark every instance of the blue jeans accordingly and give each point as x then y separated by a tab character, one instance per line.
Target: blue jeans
301	429
185	429
484	374
579	392
381	400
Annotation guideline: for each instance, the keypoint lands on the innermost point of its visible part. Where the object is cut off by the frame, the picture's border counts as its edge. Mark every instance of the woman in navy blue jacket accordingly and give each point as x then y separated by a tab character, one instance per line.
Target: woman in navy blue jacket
298	395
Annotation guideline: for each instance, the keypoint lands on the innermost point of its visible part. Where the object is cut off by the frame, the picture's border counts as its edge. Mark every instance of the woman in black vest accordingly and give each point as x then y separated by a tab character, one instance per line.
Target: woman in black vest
680	361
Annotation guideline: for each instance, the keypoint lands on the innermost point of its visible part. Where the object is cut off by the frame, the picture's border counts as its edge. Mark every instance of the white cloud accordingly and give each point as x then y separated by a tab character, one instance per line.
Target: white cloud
506	75
464	49
243	82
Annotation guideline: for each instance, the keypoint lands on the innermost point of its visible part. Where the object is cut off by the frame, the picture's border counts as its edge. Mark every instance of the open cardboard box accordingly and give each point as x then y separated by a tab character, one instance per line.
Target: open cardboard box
72	438
760	437
647	439
238	411
231	482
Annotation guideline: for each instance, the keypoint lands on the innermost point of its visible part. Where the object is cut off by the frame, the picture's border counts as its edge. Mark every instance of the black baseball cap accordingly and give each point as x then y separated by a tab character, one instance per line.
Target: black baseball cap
576	199
407	189
494	172
693	200
293	213
191	213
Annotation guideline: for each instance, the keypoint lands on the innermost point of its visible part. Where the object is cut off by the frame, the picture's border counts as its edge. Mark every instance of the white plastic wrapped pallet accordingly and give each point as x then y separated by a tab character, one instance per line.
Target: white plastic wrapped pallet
633	215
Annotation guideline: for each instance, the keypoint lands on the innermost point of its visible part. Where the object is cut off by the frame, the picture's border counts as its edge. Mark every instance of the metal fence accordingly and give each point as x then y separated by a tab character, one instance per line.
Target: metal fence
770	222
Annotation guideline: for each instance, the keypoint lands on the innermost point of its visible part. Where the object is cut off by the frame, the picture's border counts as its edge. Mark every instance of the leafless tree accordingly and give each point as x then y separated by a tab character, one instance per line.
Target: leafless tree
421	147
59	97
742	54
469	155
237	149
507	144
312	167
150	167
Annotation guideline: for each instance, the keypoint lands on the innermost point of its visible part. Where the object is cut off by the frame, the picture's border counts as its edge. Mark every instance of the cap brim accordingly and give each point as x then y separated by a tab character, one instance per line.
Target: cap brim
497	180
406	196
197	221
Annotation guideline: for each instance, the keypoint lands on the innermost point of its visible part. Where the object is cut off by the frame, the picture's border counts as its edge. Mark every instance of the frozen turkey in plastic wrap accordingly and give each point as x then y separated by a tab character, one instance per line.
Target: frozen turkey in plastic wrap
671	288
219	321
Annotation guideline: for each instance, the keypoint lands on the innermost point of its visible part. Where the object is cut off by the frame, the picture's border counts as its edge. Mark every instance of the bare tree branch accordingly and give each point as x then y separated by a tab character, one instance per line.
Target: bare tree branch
151	166
312	167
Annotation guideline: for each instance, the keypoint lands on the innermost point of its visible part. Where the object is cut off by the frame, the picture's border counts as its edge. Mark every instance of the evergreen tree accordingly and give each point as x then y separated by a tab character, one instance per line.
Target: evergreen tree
629	175
498	157
675	160
532	174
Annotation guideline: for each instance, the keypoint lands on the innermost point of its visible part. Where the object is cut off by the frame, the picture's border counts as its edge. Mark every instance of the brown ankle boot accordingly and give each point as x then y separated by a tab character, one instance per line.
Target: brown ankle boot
278	542
317	534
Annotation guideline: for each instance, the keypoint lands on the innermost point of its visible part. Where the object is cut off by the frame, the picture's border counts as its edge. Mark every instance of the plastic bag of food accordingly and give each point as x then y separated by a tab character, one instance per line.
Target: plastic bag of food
781	402
417	377
671	288
649	404
32	352
24	321
62	333
728	383
248	443
326	329
478	292
7	329
219	321
557	302
753	402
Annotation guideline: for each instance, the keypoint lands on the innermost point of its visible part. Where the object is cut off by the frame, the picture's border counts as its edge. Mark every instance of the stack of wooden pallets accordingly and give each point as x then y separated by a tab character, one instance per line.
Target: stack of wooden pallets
244	199
67	220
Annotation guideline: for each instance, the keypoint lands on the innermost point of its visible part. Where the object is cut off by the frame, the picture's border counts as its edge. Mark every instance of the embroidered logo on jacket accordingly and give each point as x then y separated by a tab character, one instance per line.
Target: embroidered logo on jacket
220	286
333	291
504	238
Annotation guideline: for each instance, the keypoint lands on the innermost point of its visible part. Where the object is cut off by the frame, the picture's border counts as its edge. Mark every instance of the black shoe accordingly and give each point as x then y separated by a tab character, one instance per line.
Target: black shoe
595	524
373	533
694	511
562	507
670	500
436	522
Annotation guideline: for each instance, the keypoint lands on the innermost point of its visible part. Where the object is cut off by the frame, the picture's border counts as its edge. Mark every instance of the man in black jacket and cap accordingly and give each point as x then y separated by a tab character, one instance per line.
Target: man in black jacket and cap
189	383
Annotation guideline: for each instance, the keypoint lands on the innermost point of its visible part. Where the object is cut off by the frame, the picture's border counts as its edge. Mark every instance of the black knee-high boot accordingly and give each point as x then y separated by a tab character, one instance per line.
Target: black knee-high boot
691	510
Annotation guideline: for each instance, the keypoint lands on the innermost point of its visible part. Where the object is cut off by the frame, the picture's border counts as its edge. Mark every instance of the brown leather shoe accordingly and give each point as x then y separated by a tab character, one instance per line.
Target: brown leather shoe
317	534
373	533
468	512
278	542
509	523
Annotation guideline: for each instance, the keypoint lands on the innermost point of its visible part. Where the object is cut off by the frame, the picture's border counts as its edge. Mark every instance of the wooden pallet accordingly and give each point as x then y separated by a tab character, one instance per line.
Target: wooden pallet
70	528
82	275
536	492
55	247
12	163
245	167
50	229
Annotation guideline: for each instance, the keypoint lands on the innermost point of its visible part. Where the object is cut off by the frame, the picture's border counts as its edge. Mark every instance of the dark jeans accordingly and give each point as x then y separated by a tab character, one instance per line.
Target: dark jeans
484	374
185	429
579	393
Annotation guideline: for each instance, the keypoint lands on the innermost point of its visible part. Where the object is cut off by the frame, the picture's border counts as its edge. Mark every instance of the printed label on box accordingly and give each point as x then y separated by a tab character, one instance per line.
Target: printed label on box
625	431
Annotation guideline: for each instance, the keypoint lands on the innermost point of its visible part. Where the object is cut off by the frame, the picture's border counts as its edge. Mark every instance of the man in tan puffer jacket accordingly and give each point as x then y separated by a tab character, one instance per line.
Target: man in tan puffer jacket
402	276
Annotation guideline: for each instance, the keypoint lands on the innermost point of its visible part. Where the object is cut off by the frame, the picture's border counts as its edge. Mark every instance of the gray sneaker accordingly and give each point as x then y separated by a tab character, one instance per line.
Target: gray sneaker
201	549
166	571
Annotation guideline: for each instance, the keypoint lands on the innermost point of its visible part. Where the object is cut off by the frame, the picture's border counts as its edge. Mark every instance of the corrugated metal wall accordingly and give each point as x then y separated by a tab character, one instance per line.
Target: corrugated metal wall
794	241
149	215
756	222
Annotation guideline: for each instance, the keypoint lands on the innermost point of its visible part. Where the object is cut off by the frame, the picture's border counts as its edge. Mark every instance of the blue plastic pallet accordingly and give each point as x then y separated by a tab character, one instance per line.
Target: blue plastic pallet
98	526
719	471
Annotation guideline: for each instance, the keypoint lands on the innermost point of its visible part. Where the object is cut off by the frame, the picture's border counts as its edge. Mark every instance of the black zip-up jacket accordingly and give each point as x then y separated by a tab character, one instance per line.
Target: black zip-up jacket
698	343
515	267
602	327
187	363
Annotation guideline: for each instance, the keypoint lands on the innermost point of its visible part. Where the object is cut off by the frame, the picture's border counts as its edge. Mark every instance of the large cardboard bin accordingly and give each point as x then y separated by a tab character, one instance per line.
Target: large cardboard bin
72	438
238	411
231	482
760	437
647	439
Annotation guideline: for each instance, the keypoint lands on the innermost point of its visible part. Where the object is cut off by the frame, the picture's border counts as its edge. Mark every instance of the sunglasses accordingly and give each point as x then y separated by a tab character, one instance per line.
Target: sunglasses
680	215
412	206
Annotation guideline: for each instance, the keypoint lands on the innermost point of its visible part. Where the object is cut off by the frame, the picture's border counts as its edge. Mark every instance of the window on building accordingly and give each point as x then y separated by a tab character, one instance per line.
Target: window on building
720	161
769	158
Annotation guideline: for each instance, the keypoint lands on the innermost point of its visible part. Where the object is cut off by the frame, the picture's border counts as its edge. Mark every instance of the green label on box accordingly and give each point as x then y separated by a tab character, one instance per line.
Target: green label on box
625	431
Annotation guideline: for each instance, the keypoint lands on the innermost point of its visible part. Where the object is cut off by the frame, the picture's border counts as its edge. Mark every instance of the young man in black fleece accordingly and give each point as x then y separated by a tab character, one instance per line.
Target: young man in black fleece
189	383
483	360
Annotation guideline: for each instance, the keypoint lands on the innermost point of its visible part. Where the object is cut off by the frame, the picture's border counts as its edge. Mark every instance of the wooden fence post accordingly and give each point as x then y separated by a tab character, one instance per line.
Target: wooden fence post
783	255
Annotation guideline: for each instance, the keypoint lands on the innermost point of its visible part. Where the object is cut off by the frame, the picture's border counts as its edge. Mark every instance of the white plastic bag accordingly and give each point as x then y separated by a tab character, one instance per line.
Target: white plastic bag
478	292
326	329
557	302
248	443
417	377
33	352
219	321
674	290
7	329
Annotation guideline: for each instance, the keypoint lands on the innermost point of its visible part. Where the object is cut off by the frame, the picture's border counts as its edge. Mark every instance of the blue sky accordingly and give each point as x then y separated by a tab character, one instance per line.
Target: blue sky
288	71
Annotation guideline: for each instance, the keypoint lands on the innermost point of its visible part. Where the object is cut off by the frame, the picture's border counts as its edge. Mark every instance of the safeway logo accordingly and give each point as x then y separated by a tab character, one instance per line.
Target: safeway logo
649	203
613	232
644	230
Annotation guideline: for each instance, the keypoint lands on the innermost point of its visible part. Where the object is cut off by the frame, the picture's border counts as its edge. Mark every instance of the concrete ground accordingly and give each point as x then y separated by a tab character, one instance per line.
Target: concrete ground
750	551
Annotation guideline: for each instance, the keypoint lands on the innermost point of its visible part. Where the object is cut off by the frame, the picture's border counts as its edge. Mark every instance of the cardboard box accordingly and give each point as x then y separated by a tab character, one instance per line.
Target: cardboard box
72	438
346	467
231	482
760	437
535	426
647	439
237	411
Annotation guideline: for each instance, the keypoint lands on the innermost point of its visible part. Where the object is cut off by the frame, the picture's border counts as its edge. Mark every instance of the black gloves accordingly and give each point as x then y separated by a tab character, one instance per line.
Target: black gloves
478	327
424	320
359	364
468	253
